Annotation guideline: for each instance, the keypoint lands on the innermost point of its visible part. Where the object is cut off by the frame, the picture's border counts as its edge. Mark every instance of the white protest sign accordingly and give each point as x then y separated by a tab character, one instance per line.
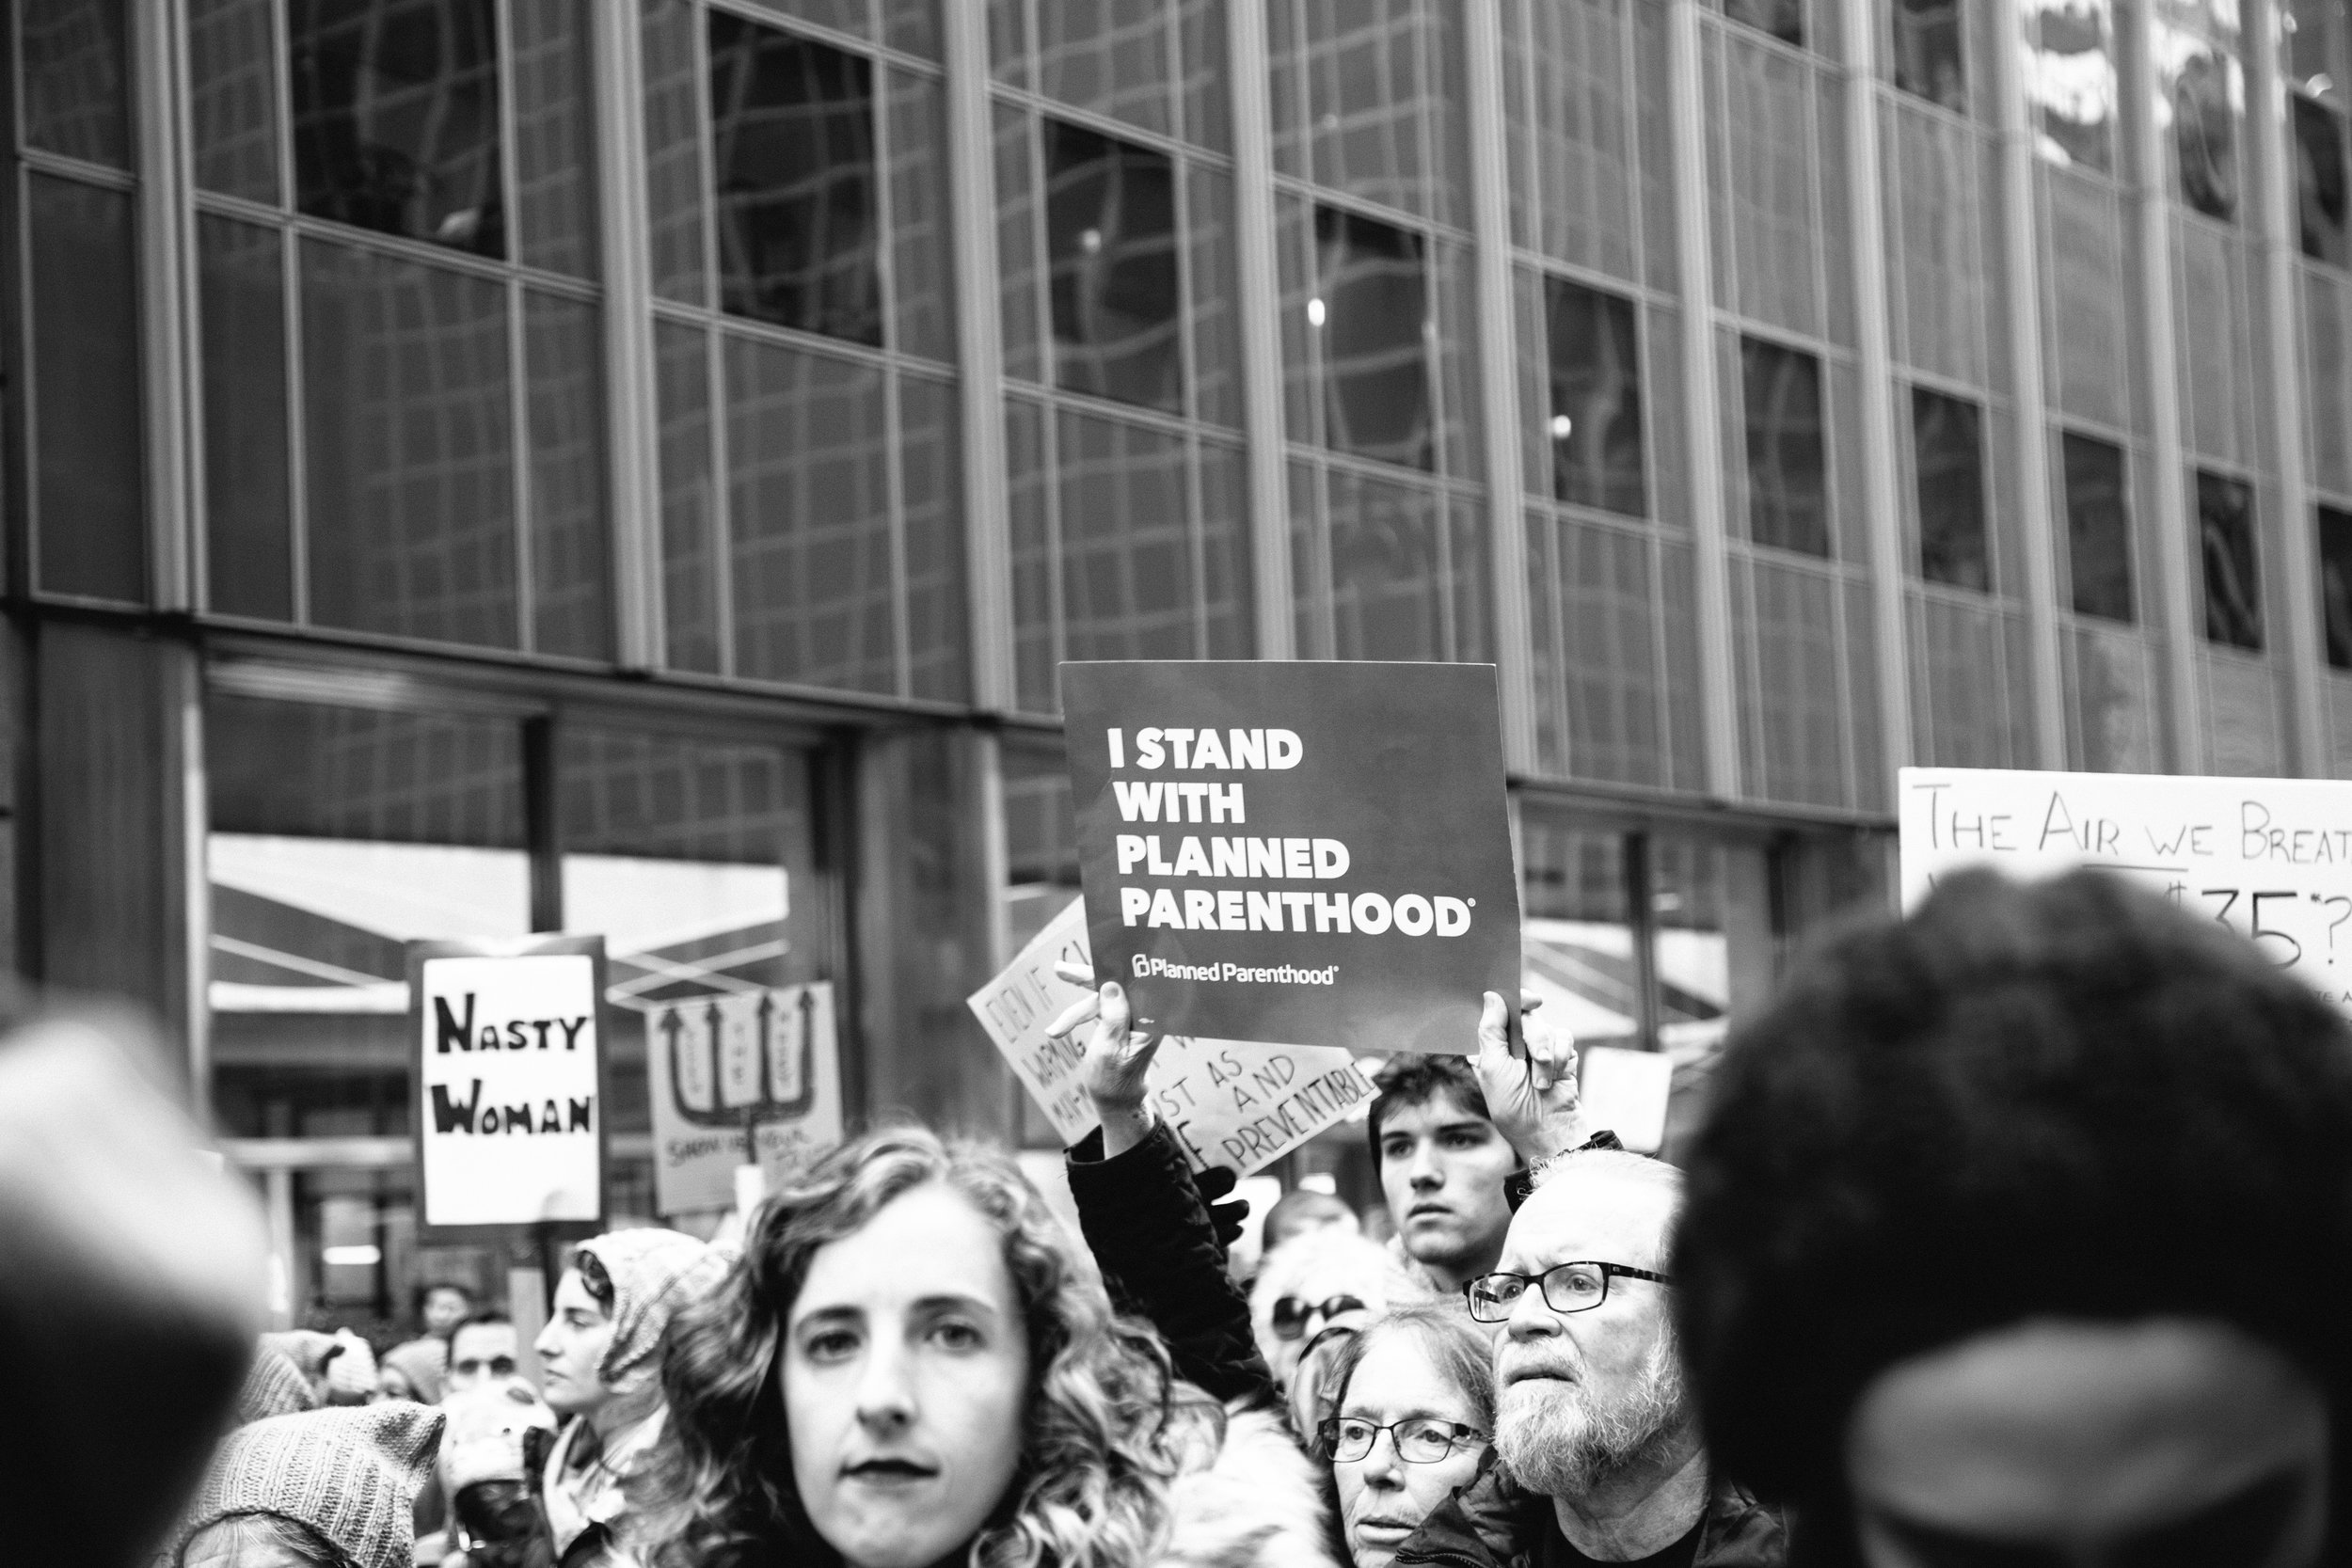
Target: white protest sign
716	1064
2269	858
1625	1091
509	1080
1235	1103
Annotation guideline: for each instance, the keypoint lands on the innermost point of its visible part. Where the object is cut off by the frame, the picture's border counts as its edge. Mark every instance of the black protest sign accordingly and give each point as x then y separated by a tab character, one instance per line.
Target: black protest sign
1302	853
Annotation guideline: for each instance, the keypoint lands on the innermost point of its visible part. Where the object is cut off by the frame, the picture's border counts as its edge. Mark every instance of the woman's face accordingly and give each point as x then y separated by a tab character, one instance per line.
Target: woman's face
1383	1496
2169	1440
906	1376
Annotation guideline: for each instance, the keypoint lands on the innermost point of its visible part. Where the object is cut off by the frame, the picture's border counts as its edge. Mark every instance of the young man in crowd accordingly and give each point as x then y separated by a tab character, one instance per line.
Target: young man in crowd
483	1350
1600	1452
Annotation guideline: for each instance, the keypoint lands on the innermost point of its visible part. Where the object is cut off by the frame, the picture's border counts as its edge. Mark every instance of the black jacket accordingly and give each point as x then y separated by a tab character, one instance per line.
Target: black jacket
1152	1234
1493	1523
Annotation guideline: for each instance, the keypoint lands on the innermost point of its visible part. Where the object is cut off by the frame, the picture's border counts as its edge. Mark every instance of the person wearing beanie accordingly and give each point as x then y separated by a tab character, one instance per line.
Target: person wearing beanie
2021	1232
274	1386
327	1487
600	1366
418	1370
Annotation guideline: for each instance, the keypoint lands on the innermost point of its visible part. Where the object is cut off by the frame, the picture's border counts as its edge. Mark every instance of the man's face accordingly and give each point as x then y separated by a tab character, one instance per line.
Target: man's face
1583	1395
444	1309
480	1353
1443	1168
2166	1440
571	1348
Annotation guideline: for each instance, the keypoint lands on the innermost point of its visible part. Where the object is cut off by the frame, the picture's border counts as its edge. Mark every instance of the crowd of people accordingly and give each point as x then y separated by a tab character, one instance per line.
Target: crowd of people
2016	1235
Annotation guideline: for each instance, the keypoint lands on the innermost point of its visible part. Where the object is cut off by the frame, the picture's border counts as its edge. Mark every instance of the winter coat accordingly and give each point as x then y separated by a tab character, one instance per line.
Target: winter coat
1493	1523
1257	1504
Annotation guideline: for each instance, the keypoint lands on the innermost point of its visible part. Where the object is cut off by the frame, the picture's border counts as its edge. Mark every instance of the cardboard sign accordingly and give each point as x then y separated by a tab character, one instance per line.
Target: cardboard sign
718	1065
1232	1103
2269	858
1298	851
1627	1092
509	1082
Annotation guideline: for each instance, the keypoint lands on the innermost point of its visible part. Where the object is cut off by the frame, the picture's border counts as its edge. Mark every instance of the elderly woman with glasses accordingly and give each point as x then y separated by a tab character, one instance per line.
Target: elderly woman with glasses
1413	1396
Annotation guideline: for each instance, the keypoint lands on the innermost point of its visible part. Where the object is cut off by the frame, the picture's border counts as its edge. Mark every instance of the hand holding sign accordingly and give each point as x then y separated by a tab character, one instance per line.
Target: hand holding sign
1534	1102
1117	1070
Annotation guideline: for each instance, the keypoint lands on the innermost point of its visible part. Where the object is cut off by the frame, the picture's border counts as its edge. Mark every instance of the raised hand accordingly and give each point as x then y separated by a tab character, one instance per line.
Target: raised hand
1532	1102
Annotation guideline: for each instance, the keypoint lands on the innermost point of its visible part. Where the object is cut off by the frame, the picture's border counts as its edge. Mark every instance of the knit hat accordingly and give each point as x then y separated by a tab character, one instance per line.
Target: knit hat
424	1363
654	1273
351	1474
274	1386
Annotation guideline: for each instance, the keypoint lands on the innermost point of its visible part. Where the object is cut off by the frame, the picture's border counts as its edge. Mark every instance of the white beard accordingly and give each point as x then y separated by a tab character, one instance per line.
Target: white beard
1556	1443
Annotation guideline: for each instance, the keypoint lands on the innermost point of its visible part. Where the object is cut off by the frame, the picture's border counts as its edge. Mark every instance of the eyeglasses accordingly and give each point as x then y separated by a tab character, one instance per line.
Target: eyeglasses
474	1366
1420	1440
1577	1286
1291	1313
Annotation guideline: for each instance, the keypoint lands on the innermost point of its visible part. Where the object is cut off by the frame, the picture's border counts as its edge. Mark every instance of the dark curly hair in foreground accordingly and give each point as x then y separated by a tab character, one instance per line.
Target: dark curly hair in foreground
1104	1431
2022	1101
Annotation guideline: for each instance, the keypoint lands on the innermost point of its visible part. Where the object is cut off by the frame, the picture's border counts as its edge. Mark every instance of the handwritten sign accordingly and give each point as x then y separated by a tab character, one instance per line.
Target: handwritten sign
1298	851
1233	1104
2269	858
761	1065
509	1078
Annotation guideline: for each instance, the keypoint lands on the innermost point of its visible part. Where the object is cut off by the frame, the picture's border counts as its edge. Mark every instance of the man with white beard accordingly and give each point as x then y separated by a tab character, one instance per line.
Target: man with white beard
1597	1455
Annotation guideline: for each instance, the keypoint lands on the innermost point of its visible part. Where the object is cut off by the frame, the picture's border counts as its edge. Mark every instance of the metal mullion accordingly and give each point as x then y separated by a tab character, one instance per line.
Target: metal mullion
162	237
893	489
63	167
1102	124
768	16
1258	294
631	394
30	365
1590	278
1394	217
722	498
1049	479
298	433
519	486
894	479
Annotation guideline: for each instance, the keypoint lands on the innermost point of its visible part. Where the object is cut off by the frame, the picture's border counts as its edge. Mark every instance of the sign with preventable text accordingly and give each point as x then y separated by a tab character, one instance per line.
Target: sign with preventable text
1232	1103
1298	851
2269	858
509	1081
763	1064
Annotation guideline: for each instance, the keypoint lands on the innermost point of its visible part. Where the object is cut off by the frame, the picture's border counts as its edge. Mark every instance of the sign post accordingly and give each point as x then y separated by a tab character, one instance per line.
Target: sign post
508	1072
1314	852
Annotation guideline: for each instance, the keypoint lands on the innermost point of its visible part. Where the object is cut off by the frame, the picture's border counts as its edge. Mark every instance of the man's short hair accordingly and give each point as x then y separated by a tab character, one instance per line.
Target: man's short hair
1410	1080
489	1317
2071	1099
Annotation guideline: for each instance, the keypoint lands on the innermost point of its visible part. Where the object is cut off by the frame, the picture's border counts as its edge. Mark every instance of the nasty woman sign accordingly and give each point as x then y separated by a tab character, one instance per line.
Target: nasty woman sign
1315	852
510	1106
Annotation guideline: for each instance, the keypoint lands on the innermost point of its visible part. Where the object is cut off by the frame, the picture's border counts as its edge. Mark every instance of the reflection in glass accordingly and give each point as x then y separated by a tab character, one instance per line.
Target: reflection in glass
2319	178
1595	424
396	118
2201	96
2225	526
1126	550
2335	583
1928	53
1110	227
1577	941
87	443
793	146
2098	528
1787	465
248	514
2312	34
75	63
1371	309
1781	19
2069	80
1947	446
233	97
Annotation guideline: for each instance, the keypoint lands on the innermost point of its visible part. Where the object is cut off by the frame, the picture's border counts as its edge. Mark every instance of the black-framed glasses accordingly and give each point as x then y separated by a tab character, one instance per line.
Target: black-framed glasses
1575	1286
1420	1439
1291	1313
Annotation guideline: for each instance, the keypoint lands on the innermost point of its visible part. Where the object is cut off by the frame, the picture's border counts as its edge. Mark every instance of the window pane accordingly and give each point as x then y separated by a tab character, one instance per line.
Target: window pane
2098	528
1373	92
2202	90
1577	946
233	97
2313	42
1126	552
76	68
793	138
689	521
337	836
409	444
2335	583
1392	592
1928	59
1782	19
88	484
1372	299
1948	444
674	185
1108	55
396	118
554	136
571	530
2070	81
248	518
939	655
920	286
1788	471
809	505
2320	179
1110	226
1595	425
2225	521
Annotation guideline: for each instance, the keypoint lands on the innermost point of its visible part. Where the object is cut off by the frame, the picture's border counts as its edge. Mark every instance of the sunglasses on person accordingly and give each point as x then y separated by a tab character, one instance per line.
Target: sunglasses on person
1291	1313
475	1365
1418	1439
1576	1287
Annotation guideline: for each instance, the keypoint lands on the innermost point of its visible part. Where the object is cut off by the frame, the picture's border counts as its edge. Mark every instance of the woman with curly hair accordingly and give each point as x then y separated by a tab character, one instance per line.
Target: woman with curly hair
913	1365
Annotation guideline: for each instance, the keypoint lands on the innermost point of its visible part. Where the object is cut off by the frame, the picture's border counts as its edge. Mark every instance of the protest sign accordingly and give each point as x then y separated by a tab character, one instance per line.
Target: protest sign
1626	1092
2269	858
1298	851
1233	1104
720	1065
509	1082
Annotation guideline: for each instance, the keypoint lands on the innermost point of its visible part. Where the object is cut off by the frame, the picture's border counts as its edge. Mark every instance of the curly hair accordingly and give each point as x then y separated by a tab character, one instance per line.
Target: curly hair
1104	1432
2024	1100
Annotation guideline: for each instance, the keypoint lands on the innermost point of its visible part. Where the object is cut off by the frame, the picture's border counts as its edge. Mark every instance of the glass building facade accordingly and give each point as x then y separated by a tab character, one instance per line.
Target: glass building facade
476	466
